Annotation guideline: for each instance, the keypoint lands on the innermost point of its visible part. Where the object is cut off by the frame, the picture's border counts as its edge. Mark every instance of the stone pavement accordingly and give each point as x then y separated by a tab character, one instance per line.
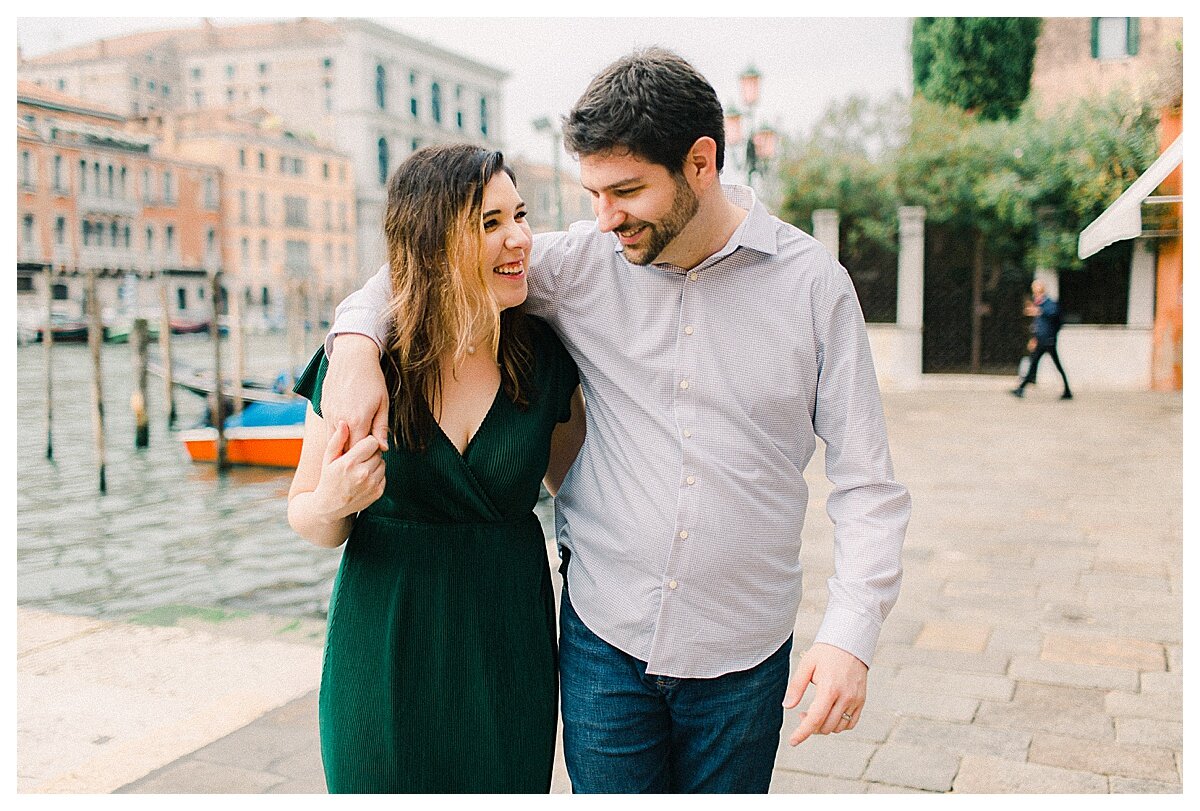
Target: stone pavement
1036	645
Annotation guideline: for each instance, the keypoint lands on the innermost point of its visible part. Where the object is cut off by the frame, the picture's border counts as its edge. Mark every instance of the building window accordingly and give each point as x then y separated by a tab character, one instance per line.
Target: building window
262	161
295	212
229	94
198	98
263	253
147	187
381	87
24	284
263	92
87	233
210	192
483	116
197	73
262	68
168	187
121	183
58	178
245	254
210	241
458	114
181	297
414	107
59	292
229	71
128	237
166	90
111	185
327	63
150	85
243	208
1114	37
435	102
328	95
113	234
60	231
149	239
242	158
27	169
262	208
170	239
325	169
383	161
135	81
27	229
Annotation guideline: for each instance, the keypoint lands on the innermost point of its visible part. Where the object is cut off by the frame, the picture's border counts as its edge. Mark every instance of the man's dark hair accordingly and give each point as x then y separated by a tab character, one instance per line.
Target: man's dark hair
652	103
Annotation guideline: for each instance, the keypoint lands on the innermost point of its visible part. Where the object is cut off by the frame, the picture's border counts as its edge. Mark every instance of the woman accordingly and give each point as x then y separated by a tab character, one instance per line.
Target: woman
440	660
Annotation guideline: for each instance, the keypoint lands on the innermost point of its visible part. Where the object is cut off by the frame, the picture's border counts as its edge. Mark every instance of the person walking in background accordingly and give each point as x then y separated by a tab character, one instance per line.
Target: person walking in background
440	671
715	344
1047	321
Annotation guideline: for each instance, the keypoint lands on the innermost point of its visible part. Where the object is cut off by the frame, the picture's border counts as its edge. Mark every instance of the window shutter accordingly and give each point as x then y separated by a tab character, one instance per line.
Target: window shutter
1095	37
1132	30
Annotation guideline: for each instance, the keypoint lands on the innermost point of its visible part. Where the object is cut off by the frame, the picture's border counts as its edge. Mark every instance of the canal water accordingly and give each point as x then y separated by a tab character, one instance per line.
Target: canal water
168	531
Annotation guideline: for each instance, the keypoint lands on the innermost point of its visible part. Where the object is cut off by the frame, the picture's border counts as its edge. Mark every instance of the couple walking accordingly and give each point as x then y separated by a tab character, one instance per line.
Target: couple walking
701	345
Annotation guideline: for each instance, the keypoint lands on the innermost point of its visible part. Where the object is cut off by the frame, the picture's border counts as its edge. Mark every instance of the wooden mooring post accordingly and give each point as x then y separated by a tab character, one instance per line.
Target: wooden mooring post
237	336
95	341
48	339
218	396
139	339
164	341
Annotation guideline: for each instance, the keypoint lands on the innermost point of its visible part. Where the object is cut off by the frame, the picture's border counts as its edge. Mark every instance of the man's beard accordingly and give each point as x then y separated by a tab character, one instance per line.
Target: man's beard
659	235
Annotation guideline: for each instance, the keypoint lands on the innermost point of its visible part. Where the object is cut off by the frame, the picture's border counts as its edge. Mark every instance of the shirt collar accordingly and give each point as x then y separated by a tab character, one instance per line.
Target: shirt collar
756	231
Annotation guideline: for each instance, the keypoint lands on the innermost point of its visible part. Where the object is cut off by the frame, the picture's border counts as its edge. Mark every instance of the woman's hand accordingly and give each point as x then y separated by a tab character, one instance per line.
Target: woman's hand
351	480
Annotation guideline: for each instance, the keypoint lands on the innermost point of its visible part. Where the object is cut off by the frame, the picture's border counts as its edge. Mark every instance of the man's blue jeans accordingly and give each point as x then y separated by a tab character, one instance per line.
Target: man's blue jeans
628	732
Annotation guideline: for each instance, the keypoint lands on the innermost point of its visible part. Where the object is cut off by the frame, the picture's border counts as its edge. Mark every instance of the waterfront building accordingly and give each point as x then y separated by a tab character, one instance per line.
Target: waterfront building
93	196
288	209
374	93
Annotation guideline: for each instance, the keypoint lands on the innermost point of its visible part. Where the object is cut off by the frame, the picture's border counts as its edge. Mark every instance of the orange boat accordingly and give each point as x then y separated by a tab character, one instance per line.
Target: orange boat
266	445
267	434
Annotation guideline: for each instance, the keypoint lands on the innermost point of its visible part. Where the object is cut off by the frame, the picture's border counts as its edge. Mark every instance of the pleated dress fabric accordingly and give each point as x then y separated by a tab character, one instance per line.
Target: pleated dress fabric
440	669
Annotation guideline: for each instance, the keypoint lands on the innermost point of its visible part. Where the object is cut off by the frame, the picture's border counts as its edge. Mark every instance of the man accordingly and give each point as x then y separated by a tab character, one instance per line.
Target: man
714	344
1047	321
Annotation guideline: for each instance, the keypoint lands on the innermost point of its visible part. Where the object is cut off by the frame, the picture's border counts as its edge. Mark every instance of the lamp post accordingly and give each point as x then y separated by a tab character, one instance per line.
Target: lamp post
759	141
544	124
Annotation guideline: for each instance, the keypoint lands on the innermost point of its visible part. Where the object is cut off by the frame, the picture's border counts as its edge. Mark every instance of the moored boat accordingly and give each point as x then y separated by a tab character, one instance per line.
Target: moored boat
265	434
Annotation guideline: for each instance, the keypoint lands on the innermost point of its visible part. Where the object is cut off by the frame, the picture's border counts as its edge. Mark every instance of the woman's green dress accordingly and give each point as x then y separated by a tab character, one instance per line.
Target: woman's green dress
440	671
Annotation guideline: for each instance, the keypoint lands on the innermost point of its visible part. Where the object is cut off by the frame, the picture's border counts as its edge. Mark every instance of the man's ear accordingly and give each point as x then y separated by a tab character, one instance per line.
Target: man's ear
700	165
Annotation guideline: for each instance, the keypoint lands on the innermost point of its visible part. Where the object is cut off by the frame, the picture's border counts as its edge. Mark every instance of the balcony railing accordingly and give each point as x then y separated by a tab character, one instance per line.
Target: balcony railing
98	204
123	258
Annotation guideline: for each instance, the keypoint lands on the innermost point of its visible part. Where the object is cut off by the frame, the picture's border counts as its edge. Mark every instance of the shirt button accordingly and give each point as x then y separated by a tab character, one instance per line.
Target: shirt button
692	275
691	479
687	434
683	384
683	534
688	330
672	584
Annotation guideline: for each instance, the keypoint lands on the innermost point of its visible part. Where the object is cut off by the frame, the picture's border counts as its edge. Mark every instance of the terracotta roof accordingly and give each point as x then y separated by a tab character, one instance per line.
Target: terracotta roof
197	38
27	90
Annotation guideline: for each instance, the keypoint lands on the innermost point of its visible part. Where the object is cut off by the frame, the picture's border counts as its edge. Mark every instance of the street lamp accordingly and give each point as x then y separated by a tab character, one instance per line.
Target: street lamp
544	124
760	142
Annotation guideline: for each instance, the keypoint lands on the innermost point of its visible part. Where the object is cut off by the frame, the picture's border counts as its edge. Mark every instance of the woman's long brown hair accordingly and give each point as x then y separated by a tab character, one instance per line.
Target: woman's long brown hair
441	301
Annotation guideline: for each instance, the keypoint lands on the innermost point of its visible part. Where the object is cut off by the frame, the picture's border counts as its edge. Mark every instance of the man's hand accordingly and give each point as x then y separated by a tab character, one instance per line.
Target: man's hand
354	391
841	681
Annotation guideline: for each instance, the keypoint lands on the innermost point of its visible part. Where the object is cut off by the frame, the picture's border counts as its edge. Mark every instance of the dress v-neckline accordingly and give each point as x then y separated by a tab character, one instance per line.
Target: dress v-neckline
478	429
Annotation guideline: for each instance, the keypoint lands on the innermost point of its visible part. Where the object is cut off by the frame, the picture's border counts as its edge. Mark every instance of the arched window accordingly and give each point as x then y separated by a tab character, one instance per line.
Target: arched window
435	102
483	116
381	87
383	161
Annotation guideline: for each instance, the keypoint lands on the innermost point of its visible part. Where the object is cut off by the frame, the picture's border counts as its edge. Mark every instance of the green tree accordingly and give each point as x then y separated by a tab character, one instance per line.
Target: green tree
980	64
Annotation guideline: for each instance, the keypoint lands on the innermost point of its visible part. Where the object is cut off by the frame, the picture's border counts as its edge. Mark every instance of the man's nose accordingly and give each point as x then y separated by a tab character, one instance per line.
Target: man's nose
608	216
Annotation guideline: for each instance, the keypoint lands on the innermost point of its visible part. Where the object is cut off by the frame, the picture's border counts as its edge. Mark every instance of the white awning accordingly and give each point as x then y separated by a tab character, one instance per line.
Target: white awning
1123	219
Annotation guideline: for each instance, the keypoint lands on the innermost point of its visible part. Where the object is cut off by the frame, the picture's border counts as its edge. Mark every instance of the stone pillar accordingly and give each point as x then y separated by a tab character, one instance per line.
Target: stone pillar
910	281
898	349
1140	313
825	228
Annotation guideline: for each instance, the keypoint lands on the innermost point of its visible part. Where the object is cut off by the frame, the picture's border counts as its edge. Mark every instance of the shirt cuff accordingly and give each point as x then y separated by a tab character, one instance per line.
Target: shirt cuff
855	633
358	325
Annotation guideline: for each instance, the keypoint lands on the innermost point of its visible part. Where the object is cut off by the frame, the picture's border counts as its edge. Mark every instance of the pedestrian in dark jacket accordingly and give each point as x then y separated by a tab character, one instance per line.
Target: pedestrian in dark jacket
1047	321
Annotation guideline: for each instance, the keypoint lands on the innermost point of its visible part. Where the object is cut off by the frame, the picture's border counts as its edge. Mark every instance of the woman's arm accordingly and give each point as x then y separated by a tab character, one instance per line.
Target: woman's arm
565	443
333	484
